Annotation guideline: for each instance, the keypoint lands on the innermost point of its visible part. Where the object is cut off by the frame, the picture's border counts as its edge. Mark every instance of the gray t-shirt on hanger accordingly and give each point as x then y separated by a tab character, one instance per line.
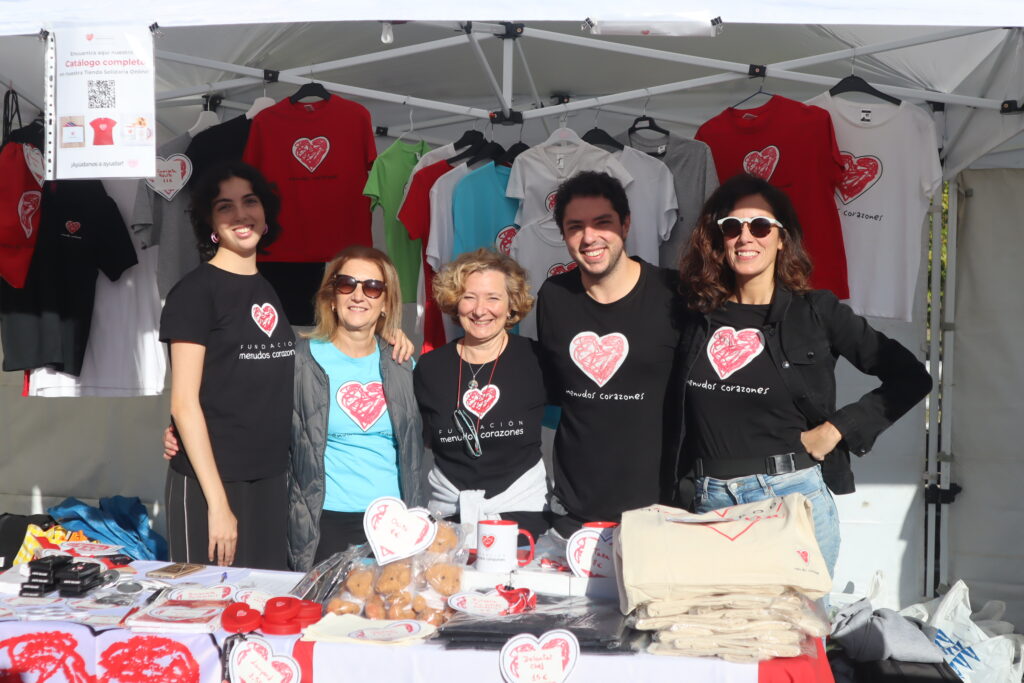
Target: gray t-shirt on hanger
693	170
163	222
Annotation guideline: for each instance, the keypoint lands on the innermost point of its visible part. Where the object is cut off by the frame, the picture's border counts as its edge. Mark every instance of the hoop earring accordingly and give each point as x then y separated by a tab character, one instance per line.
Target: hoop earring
214	238
266	229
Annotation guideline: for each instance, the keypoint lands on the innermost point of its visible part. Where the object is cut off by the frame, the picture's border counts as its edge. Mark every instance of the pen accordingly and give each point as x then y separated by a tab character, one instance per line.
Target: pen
223	577
149	601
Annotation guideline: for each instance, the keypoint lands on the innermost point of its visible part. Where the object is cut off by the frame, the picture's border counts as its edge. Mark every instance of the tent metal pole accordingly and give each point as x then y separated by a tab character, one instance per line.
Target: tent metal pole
209	63
507	46
433	123
931	477
537	101
382	55
219	86
482	59
948	360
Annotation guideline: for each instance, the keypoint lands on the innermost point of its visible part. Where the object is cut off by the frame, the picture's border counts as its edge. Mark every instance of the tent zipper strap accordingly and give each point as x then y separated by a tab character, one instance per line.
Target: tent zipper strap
50	105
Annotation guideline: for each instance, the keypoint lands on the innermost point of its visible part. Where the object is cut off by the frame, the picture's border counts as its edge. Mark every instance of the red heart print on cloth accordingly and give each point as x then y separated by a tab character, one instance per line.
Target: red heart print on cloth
488	541
171	175
28	211
480	401
265	317
548	659
763	163
141	659
730	350
72	226
599	357
34	162
394	531
803	555
732	527
503	240
253	661
311	153
364	403
859	174
549	201
560	268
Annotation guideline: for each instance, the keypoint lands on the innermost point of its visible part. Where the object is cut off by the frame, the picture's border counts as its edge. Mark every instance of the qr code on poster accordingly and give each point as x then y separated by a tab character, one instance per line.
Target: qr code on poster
101	95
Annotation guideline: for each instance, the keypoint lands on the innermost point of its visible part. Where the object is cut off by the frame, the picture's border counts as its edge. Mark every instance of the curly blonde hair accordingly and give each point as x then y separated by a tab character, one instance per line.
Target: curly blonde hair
450	283
327	321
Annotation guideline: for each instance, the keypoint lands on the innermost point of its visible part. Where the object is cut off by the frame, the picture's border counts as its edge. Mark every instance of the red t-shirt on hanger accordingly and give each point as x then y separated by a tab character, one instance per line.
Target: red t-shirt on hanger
792	146
319	155
20	201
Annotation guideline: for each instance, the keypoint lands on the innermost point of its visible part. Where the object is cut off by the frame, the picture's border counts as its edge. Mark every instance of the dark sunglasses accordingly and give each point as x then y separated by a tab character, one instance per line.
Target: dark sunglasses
346	284
760	226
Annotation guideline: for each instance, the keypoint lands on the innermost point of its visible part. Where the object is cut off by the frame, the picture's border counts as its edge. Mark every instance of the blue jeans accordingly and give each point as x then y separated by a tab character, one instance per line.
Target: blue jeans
713	494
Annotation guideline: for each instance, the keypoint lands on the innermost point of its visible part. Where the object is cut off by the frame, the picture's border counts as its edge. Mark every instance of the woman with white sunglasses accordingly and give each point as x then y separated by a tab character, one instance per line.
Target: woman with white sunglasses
761	347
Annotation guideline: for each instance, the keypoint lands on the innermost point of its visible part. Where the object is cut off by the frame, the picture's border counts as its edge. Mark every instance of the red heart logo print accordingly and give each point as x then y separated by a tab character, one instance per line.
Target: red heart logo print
72	226
762	164
34	162
488	541
503	240
480	401
803	555
266	317
550	201
311	153
859	174
28	211
599	357
364	403
560	268
730	350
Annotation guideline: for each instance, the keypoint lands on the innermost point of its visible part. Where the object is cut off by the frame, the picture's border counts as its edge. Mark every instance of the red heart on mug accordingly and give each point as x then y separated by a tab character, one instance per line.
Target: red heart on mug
488	541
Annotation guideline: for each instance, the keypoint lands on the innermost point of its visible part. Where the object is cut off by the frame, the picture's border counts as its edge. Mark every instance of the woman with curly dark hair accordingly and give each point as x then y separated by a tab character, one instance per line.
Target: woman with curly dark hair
760	393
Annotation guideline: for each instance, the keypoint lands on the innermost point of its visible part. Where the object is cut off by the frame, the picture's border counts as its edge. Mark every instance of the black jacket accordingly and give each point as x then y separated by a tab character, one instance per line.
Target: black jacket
805	334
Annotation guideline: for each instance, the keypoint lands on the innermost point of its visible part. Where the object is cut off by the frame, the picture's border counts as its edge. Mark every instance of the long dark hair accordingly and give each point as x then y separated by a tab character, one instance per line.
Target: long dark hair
206	189
707	278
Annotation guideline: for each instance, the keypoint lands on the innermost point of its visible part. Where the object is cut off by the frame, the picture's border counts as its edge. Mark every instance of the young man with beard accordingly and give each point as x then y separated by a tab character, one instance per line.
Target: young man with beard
609	331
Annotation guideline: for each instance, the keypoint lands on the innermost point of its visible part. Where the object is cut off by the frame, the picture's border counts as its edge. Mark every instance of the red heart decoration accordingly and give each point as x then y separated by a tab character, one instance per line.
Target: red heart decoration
859	174
599	357
364	403
503	240
730	350
266	317
560	268
72	226
550	201
311	153
28	209
238	617
488	541
803	555
762	164
480	401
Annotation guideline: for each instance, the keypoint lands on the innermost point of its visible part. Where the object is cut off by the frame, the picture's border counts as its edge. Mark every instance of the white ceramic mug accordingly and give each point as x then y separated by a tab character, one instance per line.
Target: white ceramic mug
497	543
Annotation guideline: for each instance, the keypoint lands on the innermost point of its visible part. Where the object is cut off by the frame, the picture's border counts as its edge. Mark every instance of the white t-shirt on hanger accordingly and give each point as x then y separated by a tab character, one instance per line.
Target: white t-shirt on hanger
540	250
442	230
892	169
537	173
652	203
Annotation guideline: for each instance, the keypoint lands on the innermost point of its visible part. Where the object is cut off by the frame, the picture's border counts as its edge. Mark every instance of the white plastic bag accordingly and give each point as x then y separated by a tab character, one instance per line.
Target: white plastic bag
976	657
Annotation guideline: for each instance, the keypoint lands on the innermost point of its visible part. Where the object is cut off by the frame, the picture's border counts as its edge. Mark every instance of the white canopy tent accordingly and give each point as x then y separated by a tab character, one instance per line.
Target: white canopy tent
446	75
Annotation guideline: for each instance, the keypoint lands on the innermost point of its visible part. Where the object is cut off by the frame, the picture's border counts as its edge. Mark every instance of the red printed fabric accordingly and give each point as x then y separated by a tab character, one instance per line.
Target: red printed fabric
20	201
319	155
792	146
415	216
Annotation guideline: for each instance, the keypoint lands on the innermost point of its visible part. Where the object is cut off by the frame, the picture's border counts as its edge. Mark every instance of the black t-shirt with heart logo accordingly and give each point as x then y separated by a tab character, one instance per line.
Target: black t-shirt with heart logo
248	367
508	407
610	367
736	403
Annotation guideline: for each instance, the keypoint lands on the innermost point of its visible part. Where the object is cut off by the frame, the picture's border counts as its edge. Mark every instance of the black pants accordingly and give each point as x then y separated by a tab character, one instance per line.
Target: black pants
338	530
260	506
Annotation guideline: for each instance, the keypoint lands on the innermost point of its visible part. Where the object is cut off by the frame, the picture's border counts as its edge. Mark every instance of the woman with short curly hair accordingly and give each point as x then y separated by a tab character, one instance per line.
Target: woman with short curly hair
482	397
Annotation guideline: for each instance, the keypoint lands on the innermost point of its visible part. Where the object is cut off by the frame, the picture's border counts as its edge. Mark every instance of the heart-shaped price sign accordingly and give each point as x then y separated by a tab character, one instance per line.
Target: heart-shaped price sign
253	660
172	174
548	659
396	630
589	553
254	598
396	532
479	604
219	593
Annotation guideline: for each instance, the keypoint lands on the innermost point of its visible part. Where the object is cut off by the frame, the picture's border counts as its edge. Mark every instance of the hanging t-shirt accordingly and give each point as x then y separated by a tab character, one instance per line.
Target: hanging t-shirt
248	367
124	356
506	408
162	218
540	250
385	188
792	146
737	405
103	131
694	177
483	215
609	367
432	157
652	203
20	200
48	321
361	459
891	170
437	328
223	142
318	154
537	173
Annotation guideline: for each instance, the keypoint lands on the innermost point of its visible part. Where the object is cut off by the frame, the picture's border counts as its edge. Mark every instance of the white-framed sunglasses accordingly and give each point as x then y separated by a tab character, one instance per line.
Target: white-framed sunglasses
760	226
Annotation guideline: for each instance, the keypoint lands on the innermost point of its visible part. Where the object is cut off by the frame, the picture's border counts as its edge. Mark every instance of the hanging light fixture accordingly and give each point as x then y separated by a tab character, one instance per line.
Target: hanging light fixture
387	33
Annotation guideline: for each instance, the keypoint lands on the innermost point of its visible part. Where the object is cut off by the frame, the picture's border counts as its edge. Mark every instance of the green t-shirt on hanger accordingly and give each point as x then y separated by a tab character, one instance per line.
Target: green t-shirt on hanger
385	187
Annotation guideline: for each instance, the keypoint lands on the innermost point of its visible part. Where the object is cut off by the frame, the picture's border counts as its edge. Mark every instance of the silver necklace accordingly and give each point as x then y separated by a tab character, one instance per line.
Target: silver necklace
473	384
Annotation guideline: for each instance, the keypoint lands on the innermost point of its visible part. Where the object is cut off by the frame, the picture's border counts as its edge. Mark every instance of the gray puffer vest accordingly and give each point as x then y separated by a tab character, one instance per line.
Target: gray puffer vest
309	441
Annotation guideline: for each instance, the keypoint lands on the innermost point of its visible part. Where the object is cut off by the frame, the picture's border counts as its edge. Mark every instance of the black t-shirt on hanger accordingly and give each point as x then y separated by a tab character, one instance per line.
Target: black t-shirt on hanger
223	142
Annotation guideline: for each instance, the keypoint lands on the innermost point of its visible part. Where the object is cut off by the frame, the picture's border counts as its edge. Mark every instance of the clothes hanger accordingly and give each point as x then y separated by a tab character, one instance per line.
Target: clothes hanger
857	84
645	122
310	89
410	130
489	151
207	117
259	104
601	137
563	135
760	91
472	140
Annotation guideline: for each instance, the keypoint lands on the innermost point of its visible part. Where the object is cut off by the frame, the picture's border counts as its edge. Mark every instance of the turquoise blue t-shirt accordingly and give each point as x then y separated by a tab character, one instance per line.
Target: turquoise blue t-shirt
361	460
483	216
